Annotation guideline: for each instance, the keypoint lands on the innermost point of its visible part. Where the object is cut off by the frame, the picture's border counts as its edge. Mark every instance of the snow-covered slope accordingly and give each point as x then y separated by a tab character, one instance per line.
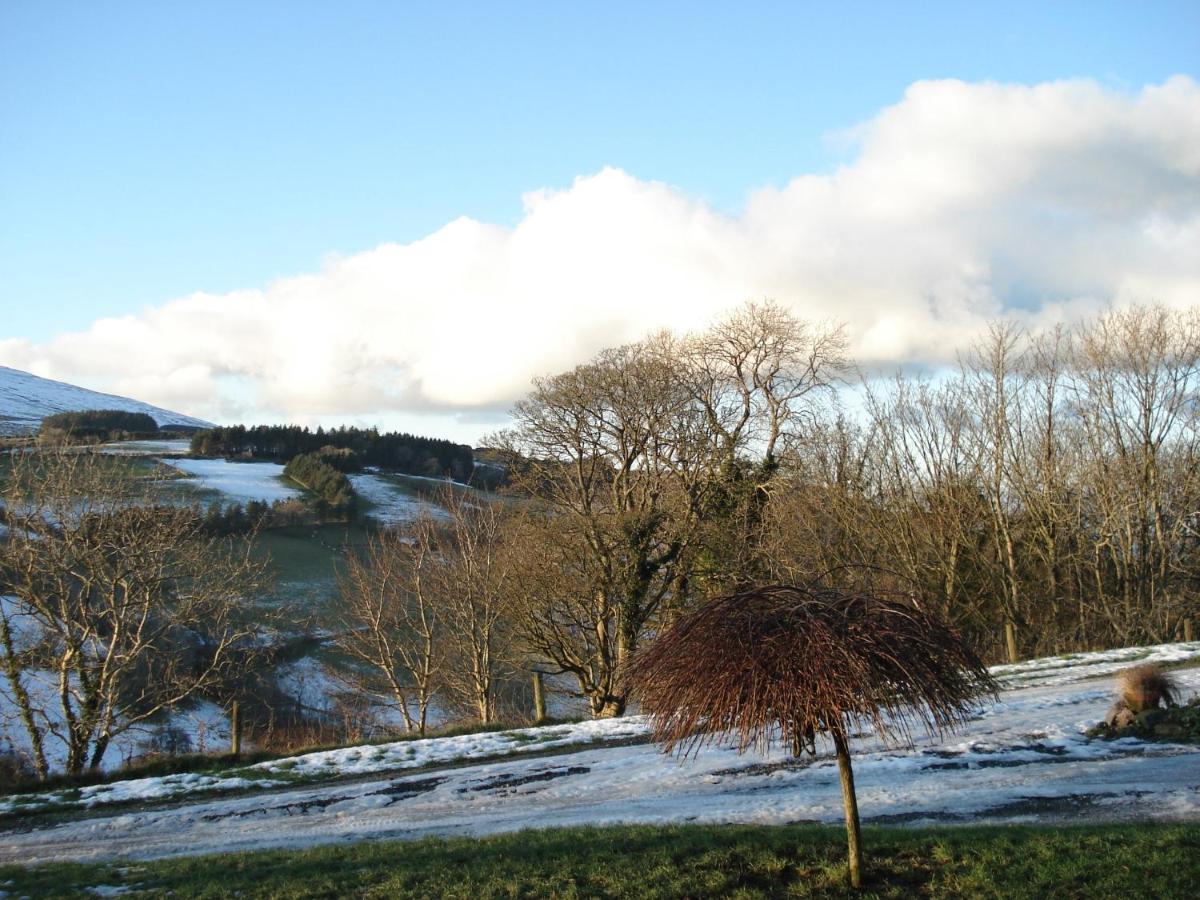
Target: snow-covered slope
26	399
1024	759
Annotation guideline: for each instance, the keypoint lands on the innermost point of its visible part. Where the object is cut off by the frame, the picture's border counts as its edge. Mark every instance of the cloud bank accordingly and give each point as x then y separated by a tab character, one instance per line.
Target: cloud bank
962	202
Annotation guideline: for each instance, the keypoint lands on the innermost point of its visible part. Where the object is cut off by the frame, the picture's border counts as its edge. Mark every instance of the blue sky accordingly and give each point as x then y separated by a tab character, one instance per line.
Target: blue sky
148	150
396	214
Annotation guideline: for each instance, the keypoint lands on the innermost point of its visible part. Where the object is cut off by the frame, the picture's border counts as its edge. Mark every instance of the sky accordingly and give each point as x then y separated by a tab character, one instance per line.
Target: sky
398	213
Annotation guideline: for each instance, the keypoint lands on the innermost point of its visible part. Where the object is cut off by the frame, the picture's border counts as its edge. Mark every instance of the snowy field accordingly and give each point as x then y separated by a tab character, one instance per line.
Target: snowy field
240	482
1024	759
146	448
392	502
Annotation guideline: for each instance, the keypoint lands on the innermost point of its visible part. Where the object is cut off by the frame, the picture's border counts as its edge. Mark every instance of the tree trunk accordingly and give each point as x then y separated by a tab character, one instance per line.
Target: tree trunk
853	835
608	706
98	751
1010	639
36	738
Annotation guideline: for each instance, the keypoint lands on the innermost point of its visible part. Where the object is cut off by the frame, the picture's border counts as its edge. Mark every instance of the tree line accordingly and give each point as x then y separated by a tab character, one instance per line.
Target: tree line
1047	490
96	425
395	451
335	498
1042	496
228	519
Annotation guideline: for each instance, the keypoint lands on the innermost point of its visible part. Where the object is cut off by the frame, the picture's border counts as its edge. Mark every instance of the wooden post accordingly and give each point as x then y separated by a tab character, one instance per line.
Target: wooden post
1187	629
853	835
1010	638
235	729
539	699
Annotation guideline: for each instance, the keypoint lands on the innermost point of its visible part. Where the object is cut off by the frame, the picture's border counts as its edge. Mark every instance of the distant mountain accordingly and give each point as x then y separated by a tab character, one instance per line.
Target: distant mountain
26	399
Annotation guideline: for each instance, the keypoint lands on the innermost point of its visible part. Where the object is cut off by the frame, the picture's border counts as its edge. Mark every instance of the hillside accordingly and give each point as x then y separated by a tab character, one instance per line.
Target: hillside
26	399
1025	759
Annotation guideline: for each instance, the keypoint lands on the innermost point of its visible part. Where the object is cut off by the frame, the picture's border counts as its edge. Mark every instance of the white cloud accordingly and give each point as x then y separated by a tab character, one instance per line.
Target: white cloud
963	202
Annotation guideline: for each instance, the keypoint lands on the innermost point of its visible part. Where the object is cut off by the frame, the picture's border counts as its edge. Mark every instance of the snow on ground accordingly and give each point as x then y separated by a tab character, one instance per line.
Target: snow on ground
239	481
310	683
361	760
1075	666
146	448
433	751
323	690
23	628
198	726
202	725
392	502
1025	760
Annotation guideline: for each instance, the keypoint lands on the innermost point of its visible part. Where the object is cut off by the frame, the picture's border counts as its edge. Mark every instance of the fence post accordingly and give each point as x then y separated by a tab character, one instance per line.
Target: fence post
235	729
539	699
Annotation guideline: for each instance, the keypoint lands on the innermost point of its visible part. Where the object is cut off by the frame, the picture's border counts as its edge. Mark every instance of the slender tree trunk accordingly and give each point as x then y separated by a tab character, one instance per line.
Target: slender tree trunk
13	672
1010	640
853	832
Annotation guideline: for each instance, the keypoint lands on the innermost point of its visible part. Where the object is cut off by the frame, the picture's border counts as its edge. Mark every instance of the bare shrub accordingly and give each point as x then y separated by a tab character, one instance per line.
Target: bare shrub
794	661
1147	687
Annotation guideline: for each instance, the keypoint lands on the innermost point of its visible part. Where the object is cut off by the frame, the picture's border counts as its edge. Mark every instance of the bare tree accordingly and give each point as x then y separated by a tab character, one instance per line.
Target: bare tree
475	595
990	371
596	451
134	607
1136	377
790	662
1044	494
392	622
643	465
757	371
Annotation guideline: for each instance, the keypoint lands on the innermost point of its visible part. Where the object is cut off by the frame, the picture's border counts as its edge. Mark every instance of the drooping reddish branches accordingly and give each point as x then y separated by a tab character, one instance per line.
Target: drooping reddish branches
785	662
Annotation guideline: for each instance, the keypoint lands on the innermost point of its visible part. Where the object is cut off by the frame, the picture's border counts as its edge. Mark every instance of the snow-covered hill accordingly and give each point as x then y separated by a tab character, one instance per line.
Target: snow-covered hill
26	399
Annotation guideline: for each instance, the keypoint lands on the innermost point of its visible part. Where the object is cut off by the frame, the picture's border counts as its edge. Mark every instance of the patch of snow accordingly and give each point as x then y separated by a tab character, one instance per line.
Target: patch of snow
392	502
146	448
133	789
239	481
199	726
430	751
203	724
23	627
1072	667
110	890
309	683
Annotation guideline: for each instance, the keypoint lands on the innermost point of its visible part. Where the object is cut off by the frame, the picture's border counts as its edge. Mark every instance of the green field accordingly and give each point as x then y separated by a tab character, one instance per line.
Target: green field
304	560
690	861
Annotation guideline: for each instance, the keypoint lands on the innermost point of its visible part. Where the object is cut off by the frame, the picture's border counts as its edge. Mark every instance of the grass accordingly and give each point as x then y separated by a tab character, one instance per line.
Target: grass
304	558
679	861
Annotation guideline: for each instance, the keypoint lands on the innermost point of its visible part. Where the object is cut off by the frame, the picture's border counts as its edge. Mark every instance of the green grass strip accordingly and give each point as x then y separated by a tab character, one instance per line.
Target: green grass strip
685	861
